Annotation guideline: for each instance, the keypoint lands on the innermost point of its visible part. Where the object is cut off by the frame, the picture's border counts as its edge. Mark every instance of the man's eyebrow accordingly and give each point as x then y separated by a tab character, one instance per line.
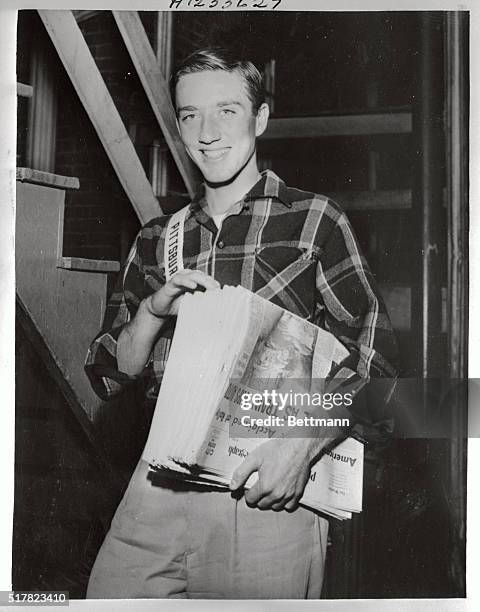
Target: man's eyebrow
219	105
230	103
186	108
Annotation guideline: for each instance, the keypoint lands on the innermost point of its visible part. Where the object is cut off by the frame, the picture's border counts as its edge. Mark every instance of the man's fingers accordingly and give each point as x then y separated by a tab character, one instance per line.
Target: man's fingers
291	505
269	503
244	470
288	505
254	495
165	300
185	283
274	500
192	279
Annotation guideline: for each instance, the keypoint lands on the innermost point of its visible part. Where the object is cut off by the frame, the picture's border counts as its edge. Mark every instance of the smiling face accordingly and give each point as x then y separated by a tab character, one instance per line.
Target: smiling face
217	124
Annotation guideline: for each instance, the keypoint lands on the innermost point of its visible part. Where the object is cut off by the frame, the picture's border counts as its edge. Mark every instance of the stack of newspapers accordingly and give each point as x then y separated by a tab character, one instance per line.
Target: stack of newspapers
239	373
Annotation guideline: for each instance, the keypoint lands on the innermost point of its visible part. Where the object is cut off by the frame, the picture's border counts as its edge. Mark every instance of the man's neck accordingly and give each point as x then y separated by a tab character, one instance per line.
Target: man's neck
221	199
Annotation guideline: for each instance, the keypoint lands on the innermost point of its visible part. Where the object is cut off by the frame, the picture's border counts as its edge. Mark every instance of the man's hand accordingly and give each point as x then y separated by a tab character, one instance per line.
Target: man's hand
166	300
137	338
283	467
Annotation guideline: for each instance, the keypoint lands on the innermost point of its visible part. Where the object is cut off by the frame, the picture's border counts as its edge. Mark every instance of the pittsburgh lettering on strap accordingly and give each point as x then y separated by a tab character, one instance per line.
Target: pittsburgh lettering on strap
173	251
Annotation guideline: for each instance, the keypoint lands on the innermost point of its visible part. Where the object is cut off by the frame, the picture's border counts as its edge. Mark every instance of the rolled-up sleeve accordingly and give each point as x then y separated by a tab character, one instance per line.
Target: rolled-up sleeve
101	363
353	310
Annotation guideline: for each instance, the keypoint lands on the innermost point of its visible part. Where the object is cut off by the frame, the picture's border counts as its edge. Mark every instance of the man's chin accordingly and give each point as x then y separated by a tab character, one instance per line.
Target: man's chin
219	180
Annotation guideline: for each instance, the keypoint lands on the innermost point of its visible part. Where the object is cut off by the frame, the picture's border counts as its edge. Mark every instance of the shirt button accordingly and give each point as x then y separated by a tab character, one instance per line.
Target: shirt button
221	244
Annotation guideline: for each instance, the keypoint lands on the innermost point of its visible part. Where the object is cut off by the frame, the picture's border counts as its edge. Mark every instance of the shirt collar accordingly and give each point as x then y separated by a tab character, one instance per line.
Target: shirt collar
268	186
198	208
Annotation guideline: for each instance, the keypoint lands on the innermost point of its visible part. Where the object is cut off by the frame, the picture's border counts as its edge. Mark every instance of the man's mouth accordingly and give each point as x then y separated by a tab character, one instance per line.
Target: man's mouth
214	154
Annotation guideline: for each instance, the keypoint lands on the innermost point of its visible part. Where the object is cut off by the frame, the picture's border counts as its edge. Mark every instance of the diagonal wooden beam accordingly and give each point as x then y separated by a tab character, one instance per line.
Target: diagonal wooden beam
98	103
156	88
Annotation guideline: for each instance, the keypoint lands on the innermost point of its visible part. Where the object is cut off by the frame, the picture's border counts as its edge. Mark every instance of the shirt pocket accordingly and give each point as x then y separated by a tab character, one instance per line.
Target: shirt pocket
286	275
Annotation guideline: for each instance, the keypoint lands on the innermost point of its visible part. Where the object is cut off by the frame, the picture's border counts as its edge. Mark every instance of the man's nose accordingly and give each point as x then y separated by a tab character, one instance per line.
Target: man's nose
209	130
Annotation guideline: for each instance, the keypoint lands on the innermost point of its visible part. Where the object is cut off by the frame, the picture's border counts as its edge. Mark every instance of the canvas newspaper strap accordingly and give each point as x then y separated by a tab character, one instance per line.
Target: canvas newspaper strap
173	249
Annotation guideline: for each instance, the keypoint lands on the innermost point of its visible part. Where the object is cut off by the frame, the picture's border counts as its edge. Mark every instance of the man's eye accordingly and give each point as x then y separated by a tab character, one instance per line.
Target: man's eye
187	118
227	112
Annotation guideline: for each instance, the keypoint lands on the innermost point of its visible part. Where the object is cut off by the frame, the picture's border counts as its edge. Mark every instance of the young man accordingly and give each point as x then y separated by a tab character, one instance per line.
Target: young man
290	246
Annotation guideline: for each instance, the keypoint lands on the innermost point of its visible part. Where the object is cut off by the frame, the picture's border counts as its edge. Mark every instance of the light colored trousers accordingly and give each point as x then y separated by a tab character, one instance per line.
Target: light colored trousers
166	542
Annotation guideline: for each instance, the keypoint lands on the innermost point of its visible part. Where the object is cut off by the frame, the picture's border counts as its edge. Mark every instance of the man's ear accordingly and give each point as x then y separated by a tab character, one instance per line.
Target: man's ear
261	119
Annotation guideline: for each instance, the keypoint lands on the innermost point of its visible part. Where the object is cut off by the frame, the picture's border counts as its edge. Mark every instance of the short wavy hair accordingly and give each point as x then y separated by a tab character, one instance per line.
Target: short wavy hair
217	58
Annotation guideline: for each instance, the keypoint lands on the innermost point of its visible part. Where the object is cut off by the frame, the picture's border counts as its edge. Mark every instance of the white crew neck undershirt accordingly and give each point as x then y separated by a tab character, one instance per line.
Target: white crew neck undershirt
218	219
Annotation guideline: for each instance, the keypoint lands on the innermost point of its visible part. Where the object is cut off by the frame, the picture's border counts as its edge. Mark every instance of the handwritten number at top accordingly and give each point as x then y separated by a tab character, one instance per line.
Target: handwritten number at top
211	4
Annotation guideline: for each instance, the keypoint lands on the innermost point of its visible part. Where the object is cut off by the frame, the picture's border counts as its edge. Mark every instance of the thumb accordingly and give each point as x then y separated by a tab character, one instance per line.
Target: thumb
244	470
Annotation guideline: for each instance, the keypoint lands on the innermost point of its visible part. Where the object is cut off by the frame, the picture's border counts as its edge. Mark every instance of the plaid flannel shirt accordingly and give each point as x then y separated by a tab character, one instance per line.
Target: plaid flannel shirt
290	246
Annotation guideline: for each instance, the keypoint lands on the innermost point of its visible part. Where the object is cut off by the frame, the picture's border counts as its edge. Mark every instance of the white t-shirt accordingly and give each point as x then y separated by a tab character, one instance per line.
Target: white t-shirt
218	219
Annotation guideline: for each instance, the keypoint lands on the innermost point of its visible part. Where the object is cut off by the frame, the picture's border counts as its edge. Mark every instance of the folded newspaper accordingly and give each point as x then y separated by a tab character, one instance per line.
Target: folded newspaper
233	357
